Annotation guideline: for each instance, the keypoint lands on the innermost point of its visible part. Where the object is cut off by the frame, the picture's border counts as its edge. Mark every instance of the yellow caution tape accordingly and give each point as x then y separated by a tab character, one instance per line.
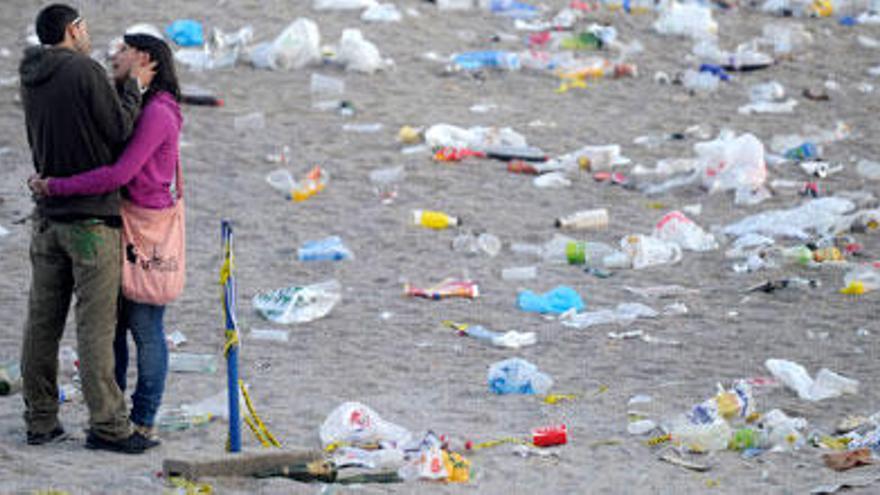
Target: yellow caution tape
500	441
231	341
189	487
654	441
553	399
255	423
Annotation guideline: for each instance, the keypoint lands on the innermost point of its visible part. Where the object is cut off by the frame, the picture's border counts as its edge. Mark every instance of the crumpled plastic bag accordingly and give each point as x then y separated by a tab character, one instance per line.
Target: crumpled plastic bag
354	423
733	163
827	384
623	314
383	12
689	19
557	300
676	227
477	138
186	32
822	216
298	304
358	54
517	376
342	4
645	251
296	47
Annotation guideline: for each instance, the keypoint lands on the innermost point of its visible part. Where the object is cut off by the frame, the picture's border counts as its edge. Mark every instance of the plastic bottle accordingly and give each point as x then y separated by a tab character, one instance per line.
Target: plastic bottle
549	436
585	219
328	249
519	273
510	8
562	249
187	362
490	59
68	361
510	340
806	151
861	279
434	219
313	183
67	393
180	418
10	378
800	254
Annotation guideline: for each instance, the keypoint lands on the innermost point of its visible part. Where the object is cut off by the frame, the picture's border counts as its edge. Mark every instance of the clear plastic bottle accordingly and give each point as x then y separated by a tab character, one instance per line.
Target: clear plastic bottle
187	362
490	59
68	393
585	219
519	273
861	279
328	249
562	249
181	418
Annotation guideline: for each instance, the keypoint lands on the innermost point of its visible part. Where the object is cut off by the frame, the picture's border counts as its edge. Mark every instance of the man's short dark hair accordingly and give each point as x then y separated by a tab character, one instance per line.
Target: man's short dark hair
52	21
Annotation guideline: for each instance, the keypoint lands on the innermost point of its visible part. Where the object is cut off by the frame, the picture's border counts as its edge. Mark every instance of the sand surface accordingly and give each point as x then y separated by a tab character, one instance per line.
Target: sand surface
404	364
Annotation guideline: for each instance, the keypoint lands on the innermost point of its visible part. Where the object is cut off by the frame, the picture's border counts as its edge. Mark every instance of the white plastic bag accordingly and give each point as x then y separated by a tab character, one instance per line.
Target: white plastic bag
827	385
355	423
477	138
732	163
691	19
645	251
383	12
342	4
296	47
358	54
298	304
623	314
678	228
819	215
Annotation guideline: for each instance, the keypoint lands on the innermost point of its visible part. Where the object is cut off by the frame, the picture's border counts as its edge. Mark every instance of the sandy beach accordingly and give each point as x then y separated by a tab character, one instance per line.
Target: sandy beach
391	352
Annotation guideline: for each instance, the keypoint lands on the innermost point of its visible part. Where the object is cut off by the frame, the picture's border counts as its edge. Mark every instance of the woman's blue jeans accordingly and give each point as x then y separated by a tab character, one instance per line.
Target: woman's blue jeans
145	323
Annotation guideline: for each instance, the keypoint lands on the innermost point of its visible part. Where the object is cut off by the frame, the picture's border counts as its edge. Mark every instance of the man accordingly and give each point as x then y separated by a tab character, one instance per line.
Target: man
75	122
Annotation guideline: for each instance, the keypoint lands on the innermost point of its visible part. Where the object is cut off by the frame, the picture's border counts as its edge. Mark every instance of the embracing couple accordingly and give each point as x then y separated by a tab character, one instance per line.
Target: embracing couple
108	195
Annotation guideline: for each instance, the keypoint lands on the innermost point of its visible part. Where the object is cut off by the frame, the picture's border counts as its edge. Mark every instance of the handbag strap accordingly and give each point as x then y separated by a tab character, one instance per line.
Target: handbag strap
178	181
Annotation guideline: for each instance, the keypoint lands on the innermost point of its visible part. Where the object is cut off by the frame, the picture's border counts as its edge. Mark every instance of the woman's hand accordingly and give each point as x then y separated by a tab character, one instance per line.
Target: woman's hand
38	185
143	70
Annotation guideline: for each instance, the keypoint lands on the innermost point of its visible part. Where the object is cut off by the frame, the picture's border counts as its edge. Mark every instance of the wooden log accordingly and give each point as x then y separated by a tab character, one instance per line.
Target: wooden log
247	465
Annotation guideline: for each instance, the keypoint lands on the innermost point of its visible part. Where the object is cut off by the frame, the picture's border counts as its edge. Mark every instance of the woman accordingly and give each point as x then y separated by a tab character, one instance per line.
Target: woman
147	169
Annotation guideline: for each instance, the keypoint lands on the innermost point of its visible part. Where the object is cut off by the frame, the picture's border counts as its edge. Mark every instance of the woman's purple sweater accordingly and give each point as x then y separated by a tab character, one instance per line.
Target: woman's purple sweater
147	166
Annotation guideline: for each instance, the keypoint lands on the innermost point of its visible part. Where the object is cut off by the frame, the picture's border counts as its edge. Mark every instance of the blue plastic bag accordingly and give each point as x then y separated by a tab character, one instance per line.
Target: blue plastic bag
517	376
186	32
557	300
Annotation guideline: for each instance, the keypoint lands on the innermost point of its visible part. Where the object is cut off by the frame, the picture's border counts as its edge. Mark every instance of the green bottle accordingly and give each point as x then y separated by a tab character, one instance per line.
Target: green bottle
583	41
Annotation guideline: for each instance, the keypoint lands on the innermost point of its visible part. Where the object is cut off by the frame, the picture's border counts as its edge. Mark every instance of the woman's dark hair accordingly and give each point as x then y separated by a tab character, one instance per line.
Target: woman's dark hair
52	22
166	76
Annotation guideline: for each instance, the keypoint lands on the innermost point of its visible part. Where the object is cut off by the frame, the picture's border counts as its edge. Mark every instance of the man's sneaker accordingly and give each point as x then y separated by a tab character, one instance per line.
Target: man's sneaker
41	438
148	432
132	444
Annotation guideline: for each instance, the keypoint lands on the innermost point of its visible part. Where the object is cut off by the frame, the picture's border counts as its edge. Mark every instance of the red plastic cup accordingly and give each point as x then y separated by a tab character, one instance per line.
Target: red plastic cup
548	436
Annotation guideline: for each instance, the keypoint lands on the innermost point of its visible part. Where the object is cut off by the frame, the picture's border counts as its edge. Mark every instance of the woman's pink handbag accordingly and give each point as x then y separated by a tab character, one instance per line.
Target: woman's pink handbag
154	250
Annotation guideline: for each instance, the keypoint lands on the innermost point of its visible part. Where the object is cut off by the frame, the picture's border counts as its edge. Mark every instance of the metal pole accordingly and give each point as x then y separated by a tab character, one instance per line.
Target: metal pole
231	331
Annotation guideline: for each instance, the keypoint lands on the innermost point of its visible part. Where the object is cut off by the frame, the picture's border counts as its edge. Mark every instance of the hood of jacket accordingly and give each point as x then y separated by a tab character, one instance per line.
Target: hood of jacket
40	62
